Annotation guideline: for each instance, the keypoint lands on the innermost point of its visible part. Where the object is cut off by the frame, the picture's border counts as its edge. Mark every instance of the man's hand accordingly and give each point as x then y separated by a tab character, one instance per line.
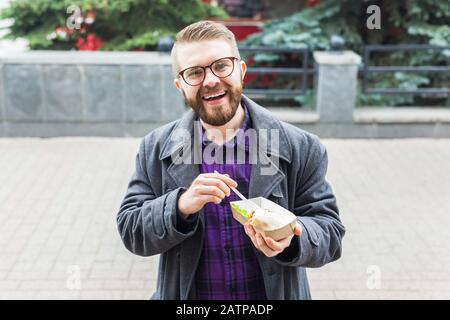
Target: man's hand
207	187
267	245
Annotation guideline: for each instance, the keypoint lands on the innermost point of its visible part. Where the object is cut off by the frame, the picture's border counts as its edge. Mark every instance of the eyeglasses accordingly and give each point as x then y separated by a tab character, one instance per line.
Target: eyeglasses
221	68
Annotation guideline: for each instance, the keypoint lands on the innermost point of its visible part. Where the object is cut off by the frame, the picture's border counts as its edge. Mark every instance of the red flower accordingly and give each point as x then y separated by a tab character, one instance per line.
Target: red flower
91	43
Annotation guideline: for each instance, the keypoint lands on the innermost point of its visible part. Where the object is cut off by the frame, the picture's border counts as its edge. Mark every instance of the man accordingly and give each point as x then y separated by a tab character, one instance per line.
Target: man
178	205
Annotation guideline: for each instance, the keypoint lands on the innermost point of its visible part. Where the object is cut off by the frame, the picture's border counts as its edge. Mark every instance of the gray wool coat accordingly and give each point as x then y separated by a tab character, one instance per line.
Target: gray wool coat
149	224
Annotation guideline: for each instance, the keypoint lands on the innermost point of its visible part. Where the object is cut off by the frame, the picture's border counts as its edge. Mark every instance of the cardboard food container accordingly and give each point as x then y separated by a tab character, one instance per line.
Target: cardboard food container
242	211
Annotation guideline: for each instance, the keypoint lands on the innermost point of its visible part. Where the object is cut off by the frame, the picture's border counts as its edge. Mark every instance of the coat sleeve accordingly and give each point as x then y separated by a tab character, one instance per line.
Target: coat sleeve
148	224
318	214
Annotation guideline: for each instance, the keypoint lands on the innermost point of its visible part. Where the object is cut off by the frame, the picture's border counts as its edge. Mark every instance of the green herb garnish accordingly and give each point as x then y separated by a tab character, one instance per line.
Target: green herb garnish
241	211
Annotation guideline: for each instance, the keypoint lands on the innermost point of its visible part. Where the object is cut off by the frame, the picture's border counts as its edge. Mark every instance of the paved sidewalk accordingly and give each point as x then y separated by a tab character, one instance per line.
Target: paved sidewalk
59	198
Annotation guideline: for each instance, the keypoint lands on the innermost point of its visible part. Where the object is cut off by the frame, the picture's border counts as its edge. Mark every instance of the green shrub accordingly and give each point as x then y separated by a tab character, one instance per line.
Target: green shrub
402	22
118	25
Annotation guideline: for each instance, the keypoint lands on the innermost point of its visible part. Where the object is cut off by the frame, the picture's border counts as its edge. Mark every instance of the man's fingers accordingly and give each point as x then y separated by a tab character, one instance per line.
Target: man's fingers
204	198
251	233
217	183
272	244
228	181
259	240
264	248
280	244
298	229
249	229
267	245
211	190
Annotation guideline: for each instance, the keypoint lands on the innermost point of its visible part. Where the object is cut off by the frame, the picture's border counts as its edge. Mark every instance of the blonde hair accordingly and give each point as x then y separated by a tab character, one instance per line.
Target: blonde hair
202	31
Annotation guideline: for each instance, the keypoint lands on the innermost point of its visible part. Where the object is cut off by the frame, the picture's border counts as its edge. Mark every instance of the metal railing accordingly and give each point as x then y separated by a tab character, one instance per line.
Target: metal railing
304	71
367	69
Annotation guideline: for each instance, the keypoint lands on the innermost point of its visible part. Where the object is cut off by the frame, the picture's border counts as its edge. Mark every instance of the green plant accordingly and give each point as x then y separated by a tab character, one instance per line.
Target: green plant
403	22
116	25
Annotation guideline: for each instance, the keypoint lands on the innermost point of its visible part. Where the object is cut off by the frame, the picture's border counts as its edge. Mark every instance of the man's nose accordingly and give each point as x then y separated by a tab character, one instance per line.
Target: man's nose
211	80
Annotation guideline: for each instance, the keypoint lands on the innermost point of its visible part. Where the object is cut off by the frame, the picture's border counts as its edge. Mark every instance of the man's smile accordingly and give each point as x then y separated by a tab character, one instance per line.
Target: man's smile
214	96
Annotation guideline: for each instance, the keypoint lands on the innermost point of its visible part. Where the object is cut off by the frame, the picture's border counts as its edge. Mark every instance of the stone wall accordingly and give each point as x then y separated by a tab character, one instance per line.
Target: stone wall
85	93
48	94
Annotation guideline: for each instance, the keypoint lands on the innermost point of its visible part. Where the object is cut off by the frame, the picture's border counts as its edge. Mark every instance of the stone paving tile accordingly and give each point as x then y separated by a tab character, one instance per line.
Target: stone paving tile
59	198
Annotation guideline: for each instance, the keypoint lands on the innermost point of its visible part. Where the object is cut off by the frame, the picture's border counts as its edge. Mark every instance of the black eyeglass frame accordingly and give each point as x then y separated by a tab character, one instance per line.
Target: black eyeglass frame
210	68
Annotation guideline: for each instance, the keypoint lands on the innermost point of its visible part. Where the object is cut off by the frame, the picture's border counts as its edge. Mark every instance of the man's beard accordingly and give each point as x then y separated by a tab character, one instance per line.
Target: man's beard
216	115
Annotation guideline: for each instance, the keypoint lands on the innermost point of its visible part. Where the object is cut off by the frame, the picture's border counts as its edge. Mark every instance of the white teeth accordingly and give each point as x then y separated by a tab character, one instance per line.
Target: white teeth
213	96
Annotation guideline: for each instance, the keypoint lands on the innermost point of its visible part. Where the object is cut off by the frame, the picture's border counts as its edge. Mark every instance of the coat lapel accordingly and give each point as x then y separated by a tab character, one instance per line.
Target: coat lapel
273	146
183	150
264	185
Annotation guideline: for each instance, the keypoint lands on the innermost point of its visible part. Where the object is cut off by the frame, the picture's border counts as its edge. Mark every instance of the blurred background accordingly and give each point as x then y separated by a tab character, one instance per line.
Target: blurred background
81	81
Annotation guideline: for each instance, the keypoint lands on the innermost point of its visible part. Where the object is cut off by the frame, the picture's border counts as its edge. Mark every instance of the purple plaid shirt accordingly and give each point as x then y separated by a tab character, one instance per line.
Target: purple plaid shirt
228	268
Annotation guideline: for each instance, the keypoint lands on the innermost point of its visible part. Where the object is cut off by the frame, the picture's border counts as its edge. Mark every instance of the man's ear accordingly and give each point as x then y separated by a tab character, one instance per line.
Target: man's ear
243	68
177	83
